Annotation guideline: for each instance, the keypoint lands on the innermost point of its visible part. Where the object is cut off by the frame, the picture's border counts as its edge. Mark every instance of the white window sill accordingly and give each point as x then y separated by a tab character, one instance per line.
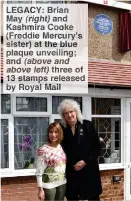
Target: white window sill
17	173
31	172
113	166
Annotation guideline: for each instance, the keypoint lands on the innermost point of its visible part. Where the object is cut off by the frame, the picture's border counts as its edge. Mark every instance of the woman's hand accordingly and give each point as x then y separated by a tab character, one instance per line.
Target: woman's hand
79	165
41	194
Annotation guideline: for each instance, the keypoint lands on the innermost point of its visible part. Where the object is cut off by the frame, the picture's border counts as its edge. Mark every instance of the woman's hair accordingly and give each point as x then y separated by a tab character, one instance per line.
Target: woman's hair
56	126
69	103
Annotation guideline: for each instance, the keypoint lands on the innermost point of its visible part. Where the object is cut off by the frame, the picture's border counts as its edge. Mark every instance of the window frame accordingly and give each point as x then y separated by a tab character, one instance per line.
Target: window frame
29	113
57	115
11	171
86	105
7	117
107	93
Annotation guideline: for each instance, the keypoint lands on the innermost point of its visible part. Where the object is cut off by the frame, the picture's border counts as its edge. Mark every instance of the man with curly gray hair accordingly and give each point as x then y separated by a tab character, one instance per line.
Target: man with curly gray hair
82	147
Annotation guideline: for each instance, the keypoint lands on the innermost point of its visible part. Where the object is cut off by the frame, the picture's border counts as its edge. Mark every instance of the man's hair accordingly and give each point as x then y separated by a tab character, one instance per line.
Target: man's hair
69	103
56	126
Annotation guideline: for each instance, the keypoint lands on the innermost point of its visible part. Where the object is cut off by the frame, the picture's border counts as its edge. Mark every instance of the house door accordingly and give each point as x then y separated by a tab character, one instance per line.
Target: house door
128	151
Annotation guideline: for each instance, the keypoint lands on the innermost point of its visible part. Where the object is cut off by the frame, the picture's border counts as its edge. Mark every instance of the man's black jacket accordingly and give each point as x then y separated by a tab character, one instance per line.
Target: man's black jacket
84	145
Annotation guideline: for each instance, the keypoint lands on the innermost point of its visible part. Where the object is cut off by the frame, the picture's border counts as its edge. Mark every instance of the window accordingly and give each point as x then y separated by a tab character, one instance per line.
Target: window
5	111
106	116
29	134
31	104
30	129
106	106
56	100
22	131
5	104
4	144
25	119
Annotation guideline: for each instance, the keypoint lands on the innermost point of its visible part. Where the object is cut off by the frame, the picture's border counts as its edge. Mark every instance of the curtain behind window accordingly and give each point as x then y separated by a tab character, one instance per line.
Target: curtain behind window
125	31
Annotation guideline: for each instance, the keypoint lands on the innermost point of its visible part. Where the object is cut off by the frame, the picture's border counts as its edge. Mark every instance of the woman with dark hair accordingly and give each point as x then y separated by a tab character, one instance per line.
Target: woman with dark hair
51	165
82	147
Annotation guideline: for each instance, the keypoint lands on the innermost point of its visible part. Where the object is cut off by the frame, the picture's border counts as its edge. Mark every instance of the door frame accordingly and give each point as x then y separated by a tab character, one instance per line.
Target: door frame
128	150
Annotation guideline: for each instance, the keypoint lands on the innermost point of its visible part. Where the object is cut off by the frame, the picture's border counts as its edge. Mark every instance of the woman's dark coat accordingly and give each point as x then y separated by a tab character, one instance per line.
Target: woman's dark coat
84	145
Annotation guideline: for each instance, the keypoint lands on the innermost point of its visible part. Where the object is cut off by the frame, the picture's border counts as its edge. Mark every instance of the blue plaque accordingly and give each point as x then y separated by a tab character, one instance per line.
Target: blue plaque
103	24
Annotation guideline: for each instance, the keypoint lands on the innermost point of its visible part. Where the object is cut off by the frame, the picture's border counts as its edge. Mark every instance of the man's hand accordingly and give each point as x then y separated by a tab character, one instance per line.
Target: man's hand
41	194
79	165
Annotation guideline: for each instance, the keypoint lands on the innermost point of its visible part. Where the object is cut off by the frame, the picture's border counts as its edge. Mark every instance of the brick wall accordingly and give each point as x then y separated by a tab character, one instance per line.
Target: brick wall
19	189
105	46
112	191
25	189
